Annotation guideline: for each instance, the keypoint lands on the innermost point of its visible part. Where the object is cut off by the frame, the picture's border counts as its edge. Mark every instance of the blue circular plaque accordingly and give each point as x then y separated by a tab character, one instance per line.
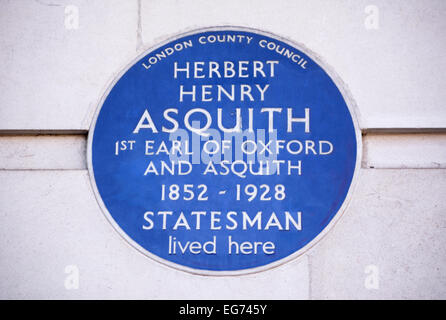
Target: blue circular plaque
224	151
